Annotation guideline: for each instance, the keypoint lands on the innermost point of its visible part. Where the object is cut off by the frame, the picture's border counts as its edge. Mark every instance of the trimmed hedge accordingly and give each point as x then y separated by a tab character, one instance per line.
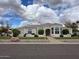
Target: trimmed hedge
40	31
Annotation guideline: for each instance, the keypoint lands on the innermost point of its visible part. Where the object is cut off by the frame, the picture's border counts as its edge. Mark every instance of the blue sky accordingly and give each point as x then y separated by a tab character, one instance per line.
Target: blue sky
16	20
27	2
49	12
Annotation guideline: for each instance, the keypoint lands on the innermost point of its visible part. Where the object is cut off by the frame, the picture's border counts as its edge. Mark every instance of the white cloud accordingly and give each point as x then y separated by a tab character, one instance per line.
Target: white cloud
32	12
12	4
23	23
1	10
26	23
9	2
71	14
52	3
40	13
47	15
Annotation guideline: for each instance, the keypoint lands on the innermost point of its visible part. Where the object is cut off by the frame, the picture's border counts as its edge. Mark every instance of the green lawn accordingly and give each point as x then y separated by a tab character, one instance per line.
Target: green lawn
76	37
27	38
4	37
33	38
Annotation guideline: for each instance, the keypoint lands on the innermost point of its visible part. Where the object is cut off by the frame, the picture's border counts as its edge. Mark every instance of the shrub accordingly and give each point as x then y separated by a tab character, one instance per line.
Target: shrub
33	33
75	34
40	31
25	35
36	36
61	36
16	32
65	31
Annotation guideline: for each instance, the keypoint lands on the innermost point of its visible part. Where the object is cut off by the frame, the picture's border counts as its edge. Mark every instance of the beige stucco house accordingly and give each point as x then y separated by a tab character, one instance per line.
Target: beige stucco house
53	30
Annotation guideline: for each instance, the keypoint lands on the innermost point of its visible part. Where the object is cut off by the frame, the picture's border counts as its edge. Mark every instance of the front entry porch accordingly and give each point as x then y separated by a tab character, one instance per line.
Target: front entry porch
47	32
54	31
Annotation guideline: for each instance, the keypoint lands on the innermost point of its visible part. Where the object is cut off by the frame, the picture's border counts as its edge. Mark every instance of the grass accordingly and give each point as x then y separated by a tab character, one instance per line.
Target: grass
24	38
34	38
76	37
4	37
68	39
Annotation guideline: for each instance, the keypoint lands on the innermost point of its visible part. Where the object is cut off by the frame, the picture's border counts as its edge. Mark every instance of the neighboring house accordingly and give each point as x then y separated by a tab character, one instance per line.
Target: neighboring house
78	27
53	30
78	24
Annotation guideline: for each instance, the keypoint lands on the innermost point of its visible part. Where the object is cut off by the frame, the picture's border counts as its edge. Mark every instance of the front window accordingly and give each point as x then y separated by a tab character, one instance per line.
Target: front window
52	30
56	30
29	31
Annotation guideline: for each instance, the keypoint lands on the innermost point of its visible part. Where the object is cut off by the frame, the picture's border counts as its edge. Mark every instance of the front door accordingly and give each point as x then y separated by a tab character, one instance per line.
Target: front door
47	32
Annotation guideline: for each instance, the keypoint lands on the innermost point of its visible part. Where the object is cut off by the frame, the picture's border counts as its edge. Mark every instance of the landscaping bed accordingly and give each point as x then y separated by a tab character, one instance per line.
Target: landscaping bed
33	38
4	37
76	37
68	39
23	39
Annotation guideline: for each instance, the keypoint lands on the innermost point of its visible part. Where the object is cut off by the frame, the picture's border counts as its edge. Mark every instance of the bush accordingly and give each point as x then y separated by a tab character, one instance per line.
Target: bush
65	32
40	31
16	32
73	35
36	36
25	35
61	36
33	33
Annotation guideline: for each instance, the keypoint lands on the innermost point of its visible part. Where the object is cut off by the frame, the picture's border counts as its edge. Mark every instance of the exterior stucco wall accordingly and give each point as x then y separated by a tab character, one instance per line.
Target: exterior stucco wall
78	26
35	30
25	30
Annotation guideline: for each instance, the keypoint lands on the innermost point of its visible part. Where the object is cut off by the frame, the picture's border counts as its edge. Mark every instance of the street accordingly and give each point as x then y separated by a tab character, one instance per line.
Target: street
39	51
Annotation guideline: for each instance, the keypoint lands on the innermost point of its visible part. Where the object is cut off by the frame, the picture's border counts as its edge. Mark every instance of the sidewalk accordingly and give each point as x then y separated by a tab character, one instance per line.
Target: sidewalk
54	41
49	41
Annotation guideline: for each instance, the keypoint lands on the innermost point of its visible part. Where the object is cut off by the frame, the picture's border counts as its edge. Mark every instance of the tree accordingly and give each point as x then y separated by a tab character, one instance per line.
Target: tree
74	26
16	32
1	31
68	24
4	29
40	31
65	31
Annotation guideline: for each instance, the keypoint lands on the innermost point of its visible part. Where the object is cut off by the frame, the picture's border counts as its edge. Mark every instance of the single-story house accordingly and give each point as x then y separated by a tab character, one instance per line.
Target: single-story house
53	30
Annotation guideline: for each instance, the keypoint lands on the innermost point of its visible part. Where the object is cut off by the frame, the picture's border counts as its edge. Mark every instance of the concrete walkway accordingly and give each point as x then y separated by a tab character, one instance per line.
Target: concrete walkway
54	41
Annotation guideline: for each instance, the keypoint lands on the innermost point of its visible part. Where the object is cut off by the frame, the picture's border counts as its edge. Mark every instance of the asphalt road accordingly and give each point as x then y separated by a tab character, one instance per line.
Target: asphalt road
39	51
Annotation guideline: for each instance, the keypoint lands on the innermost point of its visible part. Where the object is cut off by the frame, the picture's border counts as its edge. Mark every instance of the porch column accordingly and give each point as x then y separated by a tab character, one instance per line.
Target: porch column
59	30
44	32
50	31
36	31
